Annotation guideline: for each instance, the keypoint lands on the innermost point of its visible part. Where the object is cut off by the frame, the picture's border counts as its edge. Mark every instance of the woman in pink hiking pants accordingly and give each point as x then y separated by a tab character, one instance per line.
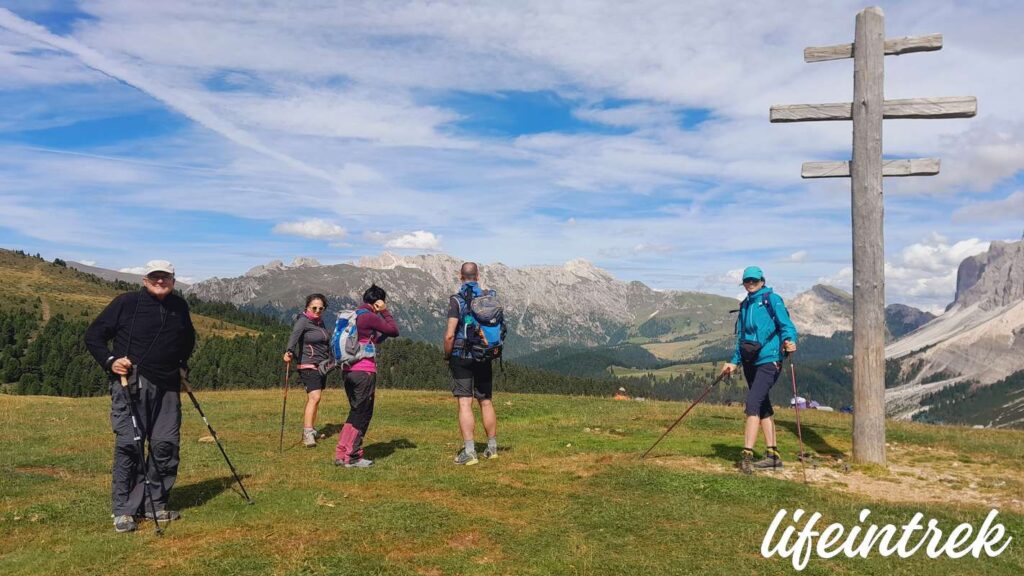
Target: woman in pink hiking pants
374	325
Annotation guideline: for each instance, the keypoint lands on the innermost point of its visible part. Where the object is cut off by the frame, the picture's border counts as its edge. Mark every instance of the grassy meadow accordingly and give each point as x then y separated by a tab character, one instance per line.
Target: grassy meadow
568	494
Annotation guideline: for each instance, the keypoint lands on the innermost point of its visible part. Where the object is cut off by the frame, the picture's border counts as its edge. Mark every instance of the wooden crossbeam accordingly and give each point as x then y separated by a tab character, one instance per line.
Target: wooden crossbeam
893	47
945	107
909	167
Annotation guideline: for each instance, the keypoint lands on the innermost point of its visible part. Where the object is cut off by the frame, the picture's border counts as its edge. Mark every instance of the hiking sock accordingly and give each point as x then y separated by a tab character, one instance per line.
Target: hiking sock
773	452
470	447
492	443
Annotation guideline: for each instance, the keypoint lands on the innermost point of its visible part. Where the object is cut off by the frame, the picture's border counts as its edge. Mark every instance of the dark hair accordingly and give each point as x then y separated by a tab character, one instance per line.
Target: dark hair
318	296
374	293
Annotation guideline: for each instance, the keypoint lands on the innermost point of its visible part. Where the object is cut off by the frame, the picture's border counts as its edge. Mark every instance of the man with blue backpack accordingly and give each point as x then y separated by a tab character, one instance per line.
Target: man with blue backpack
764	333
473	340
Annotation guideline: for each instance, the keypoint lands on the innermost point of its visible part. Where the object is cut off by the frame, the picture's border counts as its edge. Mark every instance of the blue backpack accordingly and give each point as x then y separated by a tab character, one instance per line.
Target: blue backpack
481	330
345	341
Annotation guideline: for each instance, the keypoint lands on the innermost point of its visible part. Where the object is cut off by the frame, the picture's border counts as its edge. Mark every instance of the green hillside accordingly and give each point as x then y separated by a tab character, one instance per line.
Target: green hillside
45	289
696	322
566	496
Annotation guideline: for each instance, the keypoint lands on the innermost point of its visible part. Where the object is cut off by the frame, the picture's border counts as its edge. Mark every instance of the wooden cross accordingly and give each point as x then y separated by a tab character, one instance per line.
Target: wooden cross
865	171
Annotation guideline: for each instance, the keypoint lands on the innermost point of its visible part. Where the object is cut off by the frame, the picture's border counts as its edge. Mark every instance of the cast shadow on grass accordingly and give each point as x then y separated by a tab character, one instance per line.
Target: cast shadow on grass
330	430
813	442
381	450
199	493
728	452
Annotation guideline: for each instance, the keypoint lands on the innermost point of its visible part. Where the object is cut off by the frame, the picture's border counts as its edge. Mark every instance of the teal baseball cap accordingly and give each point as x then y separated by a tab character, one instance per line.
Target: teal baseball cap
753	272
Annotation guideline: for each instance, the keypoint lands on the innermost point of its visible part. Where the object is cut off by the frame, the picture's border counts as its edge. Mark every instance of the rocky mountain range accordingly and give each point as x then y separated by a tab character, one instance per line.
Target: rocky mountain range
979	338
574	303
824	310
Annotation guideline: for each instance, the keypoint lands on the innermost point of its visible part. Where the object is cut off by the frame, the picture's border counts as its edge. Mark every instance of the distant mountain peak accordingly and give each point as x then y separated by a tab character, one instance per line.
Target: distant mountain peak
831	293
586	269
304	262
992	279
277	265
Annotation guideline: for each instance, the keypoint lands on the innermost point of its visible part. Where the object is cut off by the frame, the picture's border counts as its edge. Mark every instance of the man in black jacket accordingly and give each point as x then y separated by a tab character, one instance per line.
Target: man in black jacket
153	337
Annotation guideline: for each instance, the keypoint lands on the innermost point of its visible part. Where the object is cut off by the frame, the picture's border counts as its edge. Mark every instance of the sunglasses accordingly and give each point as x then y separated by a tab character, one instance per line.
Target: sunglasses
159	277
751	280
317	308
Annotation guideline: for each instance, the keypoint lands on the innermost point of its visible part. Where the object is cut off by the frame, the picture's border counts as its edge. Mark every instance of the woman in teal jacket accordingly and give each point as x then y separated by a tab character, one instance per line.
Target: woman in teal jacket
764	333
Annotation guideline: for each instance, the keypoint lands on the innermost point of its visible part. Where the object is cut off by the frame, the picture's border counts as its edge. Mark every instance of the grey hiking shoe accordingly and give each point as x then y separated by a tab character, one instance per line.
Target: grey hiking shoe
464	458
163	515
746	463
491	453
772	461
124	523
361	463
308	437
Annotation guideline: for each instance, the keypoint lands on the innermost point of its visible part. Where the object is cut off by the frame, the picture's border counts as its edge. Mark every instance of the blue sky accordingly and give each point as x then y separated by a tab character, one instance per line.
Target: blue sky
635	136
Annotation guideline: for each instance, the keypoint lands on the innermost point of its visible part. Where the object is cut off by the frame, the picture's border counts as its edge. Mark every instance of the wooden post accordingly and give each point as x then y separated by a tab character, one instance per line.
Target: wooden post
868	250
866	171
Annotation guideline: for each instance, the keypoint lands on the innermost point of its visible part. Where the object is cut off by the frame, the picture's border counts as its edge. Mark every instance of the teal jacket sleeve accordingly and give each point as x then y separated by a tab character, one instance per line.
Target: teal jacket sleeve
739	337
787	330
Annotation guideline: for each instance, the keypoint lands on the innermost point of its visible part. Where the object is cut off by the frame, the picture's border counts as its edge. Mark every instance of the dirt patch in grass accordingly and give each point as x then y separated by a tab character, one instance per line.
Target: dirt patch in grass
939	480
44	471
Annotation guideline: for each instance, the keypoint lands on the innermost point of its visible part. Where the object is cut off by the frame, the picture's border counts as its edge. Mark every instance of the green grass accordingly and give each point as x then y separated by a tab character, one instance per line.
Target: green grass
705	369
567	495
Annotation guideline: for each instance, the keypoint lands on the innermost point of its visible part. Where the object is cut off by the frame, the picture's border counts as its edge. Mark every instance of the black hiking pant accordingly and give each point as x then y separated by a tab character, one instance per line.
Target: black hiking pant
157	410
361	388
760	380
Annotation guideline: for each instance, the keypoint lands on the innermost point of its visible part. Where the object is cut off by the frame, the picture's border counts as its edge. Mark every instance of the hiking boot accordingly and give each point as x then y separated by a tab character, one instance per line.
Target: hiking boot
491	453
464	458
308	437
357	463
746	464
163	515
124	523
772	461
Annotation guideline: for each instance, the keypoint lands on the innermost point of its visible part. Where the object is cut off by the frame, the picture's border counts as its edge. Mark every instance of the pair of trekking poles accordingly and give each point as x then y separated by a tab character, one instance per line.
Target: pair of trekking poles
799	431
144	458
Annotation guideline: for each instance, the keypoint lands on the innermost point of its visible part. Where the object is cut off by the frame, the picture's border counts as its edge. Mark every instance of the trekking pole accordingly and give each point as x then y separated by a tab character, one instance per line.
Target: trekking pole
188	389
284	404
143	459
796	408
695	402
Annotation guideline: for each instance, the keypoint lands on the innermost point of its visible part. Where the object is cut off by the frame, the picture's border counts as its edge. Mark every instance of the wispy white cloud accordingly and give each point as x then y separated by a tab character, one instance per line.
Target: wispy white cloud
418	240
1009	208
314	228
798	256
176	99
348	110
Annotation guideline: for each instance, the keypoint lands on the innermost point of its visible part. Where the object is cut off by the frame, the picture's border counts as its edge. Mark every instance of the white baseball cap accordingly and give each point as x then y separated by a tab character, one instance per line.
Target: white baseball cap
159	266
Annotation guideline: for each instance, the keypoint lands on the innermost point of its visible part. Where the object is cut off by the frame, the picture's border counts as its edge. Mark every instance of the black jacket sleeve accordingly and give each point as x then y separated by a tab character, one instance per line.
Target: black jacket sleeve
190	336
102	330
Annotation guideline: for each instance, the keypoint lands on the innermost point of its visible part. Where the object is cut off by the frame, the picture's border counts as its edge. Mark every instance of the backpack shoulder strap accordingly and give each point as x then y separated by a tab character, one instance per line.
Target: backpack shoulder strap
461	301
766	301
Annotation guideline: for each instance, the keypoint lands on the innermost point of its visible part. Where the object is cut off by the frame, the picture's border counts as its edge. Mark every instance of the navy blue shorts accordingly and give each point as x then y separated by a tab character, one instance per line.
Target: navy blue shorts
760	380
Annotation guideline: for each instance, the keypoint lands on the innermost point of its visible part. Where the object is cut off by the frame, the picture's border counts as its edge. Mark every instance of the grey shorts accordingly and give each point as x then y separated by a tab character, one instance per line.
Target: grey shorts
471	379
